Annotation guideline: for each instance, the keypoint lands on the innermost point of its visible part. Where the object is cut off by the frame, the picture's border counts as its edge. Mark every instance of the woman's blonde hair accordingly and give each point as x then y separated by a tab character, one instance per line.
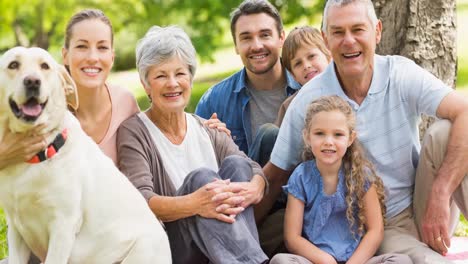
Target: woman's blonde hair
358	169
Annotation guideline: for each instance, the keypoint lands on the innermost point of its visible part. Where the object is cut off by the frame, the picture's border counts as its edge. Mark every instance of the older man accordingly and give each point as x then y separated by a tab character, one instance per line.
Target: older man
388	94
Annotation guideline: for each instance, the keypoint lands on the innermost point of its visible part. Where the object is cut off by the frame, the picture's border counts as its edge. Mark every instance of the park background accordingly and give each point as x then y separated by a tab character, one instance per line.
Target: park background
42	23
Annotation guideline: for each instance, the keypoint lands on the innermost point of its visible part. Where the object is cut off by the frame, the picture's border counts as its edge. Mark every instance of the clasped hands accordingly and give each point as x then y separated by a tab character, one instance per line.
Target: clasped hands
224	200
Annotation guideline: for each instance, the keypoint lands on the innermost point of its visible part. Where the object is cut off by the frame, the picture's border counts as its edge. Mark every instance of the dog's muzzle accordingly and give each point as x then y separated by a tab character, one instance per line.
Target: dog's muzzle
32	108
29	111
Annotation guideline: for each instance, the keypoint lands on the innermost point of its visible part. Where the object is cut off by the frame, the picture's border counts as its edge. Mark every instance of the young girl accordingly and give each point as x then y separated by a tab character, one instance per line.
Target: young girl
304	55
335	209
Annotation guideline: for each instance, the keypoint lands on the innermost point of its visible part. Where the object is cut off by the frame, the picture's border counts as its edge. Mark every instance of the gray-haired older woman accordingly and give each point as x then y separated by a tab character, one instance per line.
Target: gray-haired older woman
194	177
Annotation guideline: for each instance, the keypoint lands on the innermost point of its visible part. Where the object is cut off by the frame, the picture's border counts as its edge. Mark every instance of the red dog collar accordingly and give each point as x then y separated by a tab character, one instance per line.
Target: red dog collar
52	149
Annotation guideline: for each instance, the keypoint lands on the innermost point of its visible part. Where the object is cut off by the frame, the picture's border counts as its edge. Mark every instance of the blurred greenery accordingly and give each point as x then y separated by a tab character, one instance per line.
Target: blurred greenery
462	228
462	75
3	238
42	22
462	48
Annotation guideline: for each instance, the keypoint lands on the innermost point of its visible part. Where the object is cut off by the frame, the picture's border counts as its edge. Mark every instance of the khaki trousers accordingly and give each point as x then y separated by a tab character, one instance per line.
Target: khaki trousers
401	231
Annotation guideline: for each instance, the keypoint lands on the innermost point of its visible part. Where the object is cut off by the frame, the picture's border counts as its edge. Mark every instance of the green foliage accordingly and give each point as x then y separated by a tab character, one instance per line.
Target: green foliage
125	50
42	22
142	100
198	90
462	74
462	228
462	48
3	238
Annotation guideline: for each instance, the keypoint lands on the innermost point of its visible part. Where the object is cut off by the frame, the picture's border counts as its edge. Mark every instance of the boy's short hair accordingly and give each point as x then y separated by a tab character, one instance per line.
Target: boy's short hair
299	37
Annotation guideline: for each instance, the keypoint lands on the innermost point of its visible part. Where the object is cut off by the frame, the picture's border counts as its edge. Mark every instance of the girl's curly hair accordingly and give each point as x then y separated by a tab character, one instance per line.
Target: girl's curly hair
358	169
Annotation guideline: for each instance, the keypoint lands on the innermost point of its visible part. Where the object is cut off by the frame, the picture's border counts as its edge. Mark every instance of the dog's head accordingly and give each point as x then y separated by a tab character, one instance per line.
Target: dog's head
34	89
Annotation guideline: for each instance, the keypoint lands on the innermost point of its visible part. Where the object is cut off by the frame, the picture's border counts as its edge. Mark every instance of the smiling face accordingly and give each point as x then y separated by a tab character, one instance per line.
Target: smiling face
169	85
352	40
90	56
258	42
329	137
307	63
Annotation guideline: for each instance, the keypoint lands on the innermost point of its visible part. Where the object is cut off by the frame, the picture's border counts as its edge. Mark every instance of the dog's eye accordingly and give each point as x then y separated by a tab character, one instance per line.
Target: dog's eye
13	65
45	66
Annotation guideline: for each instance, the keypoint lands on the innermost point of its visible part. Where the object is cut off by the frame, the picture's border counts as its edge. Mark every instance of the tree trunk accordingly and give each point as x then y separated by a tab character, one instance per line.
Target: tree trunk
424	31
20	37
41	38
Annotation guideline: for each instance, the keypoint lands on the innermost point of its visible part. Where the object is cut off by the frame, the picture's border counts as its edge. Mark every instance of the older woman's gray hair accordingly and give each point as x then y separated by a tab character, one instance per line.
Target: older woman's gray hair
161	44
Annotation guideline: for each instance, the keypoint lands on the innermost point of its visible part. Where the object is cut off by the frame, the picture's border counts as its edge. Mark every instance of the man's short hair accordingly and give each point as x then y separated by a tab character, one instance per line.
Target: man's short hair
250	7
368	3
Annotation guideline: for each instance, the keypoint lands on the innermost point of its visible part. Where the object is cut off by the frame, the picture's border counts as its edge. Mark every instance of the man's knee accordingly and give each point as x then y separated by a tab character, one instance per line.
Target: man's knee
289	258
433	151
396	258
280	258
269	133
438	133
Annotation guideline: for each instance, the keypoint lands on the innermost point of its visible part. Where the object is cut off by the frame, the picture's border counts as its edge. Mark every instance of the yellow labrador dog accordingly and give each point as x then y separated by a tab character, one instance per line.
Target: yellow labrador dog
69	204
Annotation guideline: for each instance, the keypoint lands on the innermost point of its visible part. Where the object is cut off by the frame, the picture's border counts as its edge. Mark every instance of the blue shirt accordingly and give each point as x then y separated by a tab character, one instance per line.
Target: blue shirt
387	122
229	100
325	224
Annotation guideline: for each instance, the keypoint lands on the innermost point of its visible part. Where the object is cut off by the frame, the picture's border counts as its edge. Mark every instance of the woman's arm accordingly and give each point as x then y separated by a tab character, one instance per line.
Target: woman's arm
139	161
374	228
295	243
20	147
253	190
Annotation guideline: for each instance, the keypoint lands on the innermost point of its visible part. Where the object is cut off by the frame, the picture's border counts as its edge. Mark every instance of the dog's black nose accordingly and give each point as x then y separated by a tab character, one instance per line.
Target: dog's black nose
32	85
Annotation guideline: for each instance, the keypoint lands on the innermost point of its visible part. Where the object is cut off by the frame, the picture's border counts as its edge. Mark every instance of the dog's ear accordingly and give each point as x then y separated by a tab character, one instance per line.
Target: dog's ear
69	87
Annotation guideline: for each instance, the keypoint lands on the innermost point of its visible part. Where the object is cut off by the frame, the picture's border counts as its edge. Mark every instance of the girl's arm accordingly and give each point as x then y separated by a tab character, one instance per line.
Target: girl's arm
374	228
293	239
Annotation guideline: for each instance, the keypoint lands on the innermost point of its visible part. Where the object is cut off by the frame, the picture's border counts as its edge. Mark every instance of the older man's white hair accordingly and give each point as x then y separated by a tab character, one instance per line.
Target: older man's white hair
368	3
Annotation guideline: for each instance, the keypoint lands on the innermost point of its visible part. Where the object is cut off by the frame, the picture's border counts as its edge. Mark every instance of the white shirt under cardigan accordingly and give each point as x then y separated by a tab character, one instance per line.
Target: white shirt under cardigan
194	152
387	121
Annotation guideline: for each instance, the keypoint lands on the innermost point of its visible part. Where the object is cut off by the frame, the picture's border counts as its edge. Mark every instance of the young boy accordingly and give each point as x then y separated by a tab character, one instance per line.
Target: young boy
304	55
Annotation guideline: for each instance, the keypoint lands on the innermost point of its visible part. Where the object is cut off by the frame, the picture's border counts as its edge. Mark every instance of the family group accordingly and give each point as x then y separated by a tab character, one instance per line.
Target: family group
310	153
